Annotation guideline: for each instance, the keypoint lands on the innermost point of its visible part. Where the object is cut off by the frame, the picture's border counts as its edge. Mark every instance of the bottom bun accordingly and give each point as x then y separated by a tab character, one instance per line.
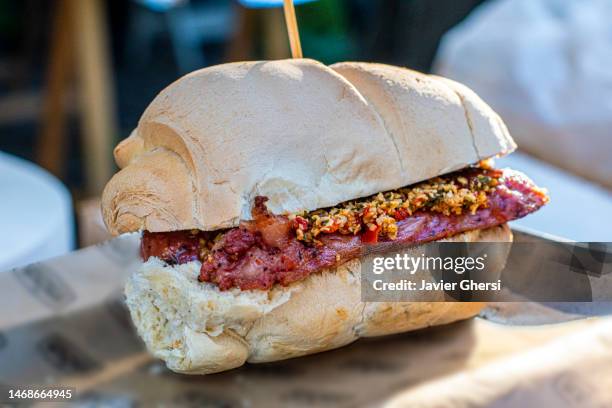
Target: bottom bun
198	329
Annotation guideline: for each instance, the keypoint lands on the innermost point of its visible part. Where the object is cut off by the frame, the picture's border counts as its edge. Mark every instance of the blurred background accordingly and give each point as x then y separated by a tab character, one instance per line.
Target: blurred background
75	76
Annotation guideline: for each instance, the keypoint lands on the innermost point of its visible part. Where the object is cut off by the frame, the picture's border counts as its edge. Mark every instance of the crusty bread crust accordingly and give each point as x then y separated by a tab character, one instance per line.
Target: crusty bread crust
303	134
197	329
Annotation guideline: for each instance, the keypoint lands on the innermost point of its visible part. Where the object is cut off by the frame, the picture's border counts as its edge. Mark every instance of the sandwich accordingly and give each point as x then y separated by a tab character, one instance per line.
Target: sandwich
257	185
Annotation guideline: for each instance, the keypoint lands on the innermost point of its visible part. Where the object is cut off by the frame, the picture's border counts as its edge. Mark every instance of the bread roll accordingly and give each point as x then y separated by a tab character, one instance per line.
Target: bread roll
198	329
306	136
303	134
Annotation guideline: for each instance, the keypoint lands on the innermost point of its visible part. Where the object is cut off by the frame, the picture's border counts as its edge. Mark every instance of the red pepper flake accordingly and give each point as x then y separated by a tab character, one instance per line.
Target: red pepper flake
370	236
301	223
400	214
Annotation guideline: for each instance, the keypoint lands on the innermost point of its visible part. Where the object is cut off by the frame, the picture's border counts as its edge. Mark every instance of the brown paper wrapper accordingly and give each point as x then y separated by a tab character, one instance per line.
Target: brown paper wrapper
63	322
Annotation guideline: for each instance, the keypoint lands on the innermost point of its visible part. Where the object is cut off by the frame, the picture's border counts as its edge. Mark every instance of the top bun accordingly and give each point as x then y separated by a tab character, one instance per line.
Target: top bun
303	134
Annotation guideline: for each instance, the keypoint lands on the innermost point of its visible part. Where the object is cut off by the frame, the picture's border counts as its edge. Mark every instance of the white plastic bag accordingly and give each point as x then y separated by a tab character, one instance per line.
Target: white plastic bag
546	67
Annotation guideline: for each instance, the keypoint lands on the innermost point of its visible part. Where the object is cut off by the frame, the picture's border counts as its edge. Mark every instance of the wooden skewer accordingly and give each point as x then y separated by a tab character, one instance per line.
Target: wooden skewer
292	29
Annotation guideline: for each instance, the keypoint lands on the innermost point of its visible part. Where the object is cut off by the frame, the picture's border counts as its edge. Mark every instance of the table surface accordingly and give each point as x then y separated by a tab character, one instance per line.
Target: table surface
475	363
35	214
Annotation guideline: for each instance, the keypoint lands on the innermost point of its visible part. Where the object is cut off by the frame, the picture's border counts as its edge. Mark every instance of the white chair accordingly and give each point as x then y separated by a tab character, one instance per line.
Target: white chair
36	218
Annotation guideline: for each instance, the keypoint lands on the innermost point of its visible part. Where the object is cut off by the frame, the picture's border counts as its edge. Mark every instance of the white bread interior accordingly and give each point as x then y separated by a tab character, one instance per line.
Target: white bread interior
197	329
303	134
